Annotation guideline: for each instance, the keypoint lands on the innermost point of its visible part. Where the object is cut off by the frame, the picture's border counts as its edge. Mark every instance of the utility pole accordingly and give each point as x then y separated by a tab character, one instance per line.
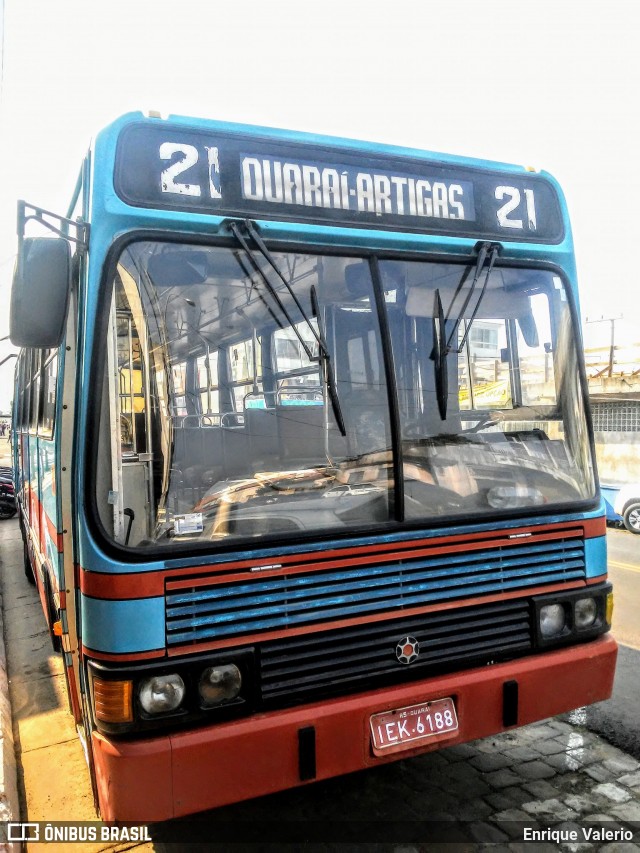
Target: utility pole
611	320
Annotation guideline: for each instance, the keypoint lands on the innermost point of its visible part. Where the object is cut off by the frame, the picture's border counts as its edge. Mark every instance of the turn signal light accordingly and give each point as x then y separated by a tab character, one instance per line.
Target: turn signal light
112	700
609	609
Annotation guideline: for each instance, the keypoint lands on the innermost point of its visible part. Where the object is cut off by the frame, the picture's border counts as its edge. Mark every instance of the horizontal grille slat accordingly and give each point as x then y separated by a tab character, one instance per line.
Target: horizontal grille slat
278	662
502	610
227	600
302	668
219	611
443	564
283	680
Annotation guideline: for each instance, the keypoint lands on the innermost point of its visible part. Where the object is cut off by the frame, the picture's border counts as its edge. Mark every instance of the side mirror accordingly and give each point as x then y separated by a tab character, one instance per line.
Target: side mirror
40	293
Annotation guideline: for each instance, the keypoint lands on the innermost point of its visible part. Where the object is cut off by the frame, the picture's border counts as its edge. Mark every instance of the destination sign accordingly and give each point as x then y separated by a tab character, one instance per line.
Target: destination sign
343	187
240	175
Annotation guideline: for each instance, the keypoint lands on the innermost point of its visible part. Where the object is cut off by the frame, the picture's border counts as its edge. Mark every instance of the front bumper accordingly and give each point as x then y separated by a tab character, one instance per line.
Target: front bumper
177	774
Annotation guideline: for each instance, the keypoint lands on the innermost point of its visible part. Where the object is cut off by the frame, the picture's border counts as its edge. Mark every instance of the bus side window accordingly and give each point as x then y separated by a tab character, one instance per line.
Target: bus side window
34	389
49	385
133	433
25	380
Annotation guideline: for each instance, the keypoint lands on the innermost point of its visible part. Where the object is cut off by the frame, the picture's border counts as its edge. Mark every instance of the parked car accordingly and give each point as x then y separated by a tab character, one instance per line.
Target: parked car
610	493
8	505
627	505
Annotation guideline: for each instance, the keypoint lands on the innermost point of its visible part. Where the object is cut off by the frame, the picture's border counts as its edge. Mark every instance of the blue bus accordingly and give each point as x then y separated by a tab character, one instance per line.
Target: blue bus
304	458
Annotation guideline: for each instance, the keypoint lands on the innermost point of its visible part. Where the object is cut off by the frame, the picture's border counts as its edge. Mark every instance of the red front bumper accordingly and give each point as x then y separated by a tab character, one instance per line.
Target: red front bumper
178	774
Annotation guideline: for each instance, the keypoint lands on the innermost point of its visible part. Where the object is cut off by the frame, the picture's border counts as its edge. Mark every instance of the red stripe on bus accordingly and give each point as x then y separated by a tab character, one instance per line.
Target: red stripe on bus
151	584
52	530
250	639
594	527
45	522
74	701
123	657
431	548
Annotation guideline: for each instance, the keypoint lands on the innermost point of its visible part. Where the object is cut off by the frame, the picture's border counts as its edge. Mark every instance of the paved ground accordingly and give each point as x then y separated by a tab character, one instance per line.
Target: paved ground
555	772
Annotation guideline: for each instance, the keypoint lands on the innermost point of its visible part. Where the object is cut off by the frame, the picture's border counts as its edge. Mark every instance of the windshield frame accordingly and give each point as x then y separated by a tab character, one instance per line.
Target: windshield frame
396	526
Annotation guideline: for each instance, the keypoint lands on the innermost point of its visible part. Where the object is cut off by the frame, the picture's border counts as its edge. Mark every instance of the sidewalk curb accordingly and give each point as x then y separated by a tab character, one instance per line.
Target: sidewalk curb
9	800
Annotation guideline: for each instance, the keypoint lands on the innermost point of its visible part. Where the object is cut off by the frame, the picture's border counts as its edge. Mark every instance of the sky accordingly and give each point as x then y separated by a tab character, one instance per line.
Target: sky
553	84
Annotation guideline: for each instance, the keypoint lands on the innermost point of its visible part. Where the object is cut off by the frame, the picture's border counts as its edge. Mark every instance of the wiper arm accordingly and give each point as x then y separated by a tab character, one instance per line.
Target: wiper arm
323	357
442	344
492	250
266	254
249	274
233	227
326	366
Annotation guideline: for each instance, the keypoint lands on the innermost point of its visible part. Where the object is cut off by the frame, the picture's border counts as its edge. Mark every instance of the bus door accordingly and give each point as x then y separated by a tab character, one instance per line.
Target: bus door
31	448
132	449
49	516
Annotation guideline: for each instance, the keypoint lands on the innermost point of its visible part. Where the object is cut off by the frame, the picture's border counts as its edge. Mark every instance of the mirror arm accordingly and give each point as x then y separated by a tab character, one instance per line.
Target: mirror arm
30	213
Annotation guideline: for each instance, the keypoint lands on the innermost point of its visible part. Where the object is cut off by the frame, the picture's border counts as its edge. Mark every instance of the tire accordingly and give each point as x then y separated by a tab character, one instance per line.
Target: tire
28	570
631	517
7	512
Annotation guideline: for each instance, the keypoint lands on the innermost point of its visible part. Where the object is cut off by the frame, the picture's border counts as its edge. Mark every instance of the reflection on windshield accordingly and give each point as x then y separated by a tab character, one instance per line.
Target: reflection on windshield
217	420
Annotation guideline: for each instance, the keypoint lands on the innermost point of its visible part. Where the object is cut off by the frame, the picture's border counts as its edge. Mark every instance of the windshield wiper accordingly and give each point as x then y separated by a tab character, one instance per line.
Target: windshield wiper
323	357
492	250
233	227
442	345
249	274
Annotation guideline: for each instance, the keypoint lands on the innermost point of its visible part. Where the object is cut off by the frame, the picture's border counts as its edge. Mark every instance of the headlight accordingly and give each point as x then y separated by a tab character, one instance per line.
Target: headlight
161	694
585	613
552	620
219	684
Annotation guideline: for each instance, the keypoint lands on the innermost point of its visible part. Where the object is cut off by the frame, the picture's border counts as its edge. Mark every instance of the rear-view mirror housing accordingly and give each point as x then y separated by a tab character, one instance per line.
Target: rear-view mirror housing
40	292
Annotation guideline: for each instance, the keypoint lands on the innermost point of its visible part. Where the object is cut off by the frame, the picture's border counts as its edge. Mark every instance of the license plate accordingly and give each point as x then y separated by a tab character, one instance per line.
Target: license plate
392	731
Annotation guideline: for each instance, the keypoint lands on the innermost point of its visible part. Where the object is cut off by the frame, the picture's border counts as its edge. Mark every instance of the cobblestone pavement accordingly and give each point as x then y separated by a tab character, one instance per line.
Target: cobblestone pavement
555	775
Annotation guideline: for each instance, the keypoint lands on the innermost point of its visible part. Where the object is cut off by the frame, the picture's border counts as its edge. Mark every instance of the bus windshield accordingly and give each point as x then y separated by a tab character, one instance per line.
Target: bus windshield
240	403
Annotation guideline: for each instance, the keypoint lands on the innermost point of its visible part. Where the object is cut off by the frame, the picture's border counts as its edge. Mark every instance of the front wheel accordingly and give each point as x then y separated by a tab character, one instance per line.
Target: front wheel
7	512
631	517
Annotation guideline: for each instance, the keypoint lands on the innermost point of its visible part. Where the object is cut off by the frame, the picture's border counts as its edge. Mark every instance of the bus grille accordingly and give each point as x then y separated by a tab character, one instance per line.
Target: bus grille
300	669
207	612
